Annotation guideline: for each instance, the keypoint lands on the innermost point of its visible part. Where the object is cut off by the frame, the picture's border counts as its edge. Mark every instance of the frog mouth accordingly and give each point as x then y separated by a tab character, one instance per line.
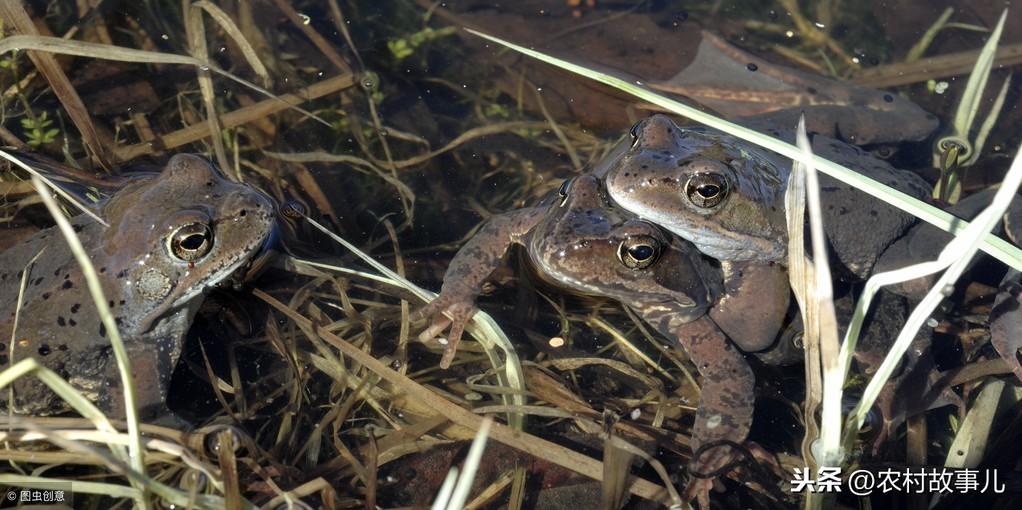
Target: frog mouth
251	267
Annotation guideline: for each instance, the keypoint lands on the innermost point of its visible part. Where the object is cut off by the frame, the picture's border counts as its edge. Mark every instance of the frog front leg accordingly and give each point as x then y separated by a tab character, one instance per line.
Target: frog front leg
726	399
755	302
152	364
473	263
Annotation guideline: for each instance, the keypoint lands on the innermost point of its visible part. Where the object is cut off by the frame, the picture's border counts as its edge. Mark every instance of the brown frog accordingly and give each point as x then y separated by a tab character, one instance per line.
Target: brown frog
171	237
583	244
726	197
924	242
738	84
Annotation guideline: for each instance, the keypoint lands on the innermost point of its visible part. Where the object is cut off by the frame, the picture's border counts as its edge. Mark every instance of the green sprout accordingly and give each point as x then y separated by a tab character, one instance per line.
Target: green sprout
406	46
955	152
38	130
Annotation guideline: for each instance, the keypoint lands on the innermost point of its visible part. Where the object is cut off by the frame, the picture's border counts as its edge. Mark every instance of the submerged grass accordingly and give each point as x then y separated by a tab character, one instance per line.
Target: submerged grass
332	410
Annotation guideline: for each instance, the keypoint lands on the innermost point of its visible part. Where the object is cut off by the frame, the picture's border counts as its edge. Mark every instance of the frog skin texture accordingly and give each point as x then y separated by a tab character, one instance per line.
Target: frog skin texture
171	236
582	244
924	242
726	195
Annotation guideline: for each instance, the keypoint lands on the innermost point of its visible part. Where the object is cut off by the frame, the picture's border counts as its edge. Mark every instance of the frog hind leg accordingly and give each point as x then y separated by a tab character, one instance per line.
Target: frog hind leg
726	401
760	293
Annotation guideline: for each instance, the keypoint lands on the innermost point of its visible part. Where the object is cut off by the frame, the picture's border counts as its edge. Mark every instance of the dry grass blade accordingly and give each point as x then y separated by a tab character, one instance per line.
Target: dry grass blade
471	134
14	13
517	439
802	276
232	31
321	44
197	46
970	443
968	106
237	117
471	466
51	185
135	450
931	68
924	42
829	451
122	54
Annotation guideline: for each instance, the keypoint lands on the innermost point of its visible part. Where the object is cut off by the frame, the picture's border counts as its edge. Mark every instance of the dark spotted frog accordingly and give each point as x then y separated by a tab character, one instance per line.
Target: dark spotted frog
171	236
725	195
581	243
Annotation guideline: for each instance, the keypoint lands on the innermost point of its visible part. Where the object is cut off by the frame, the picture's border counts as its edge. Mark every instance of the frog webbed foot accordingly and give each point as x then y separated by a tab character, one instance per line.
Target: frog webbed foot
718	458
446	311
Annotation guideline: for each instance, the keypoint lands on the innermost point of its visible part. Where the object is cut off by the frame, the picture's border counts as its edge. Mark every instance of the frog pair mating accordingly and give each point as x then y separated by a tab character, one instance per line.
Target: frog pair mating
605	236
170	237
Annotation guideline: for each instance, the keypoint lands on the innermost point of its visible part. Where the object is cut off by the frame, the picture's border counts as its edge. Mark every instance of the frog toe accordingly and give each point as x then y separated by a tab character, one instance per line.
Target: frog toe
699	490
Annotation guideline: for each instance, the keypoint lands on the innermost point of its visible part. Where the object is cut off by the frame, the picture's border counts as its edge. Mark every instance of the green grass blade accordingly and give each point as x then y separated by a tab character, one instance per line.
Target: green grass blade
958	254
973	94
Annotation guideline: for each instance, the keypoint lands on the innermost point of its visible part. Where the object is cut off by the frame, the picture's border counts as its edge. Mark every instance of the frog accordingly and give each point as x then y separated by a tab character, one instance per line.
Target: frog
924	242
726	195
737	84
581	243
168	238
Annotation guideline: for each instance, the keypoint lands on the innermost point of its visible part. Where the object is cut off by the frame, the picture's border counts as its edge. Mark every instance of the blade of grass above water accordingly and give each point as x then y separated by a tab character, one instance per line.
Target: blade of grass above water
122	54
992	244
956	256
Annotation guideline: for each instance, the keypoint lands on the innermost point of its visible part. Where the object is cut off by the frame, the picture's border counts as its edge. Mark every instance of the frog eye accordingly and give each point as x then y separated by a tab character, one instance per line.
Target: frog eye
191	242
707	189
639	252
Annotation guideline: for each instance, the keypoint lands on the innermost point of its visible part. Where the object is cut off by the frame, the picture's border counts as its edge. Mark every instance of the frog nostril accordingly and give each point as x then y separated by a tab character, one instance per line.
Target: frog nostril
243	213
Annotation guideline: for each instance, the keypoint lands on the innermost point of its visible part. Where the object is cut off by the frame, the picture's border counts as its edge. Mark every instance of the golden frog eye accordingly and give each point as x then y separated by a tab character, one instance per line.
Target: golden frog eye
191	242
707	189
639	252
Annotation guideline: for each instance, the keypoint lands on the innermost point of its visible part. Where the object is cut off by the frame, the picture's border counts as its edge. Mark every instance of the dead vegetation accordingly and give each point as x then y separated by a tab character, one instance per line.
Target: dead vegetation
311	390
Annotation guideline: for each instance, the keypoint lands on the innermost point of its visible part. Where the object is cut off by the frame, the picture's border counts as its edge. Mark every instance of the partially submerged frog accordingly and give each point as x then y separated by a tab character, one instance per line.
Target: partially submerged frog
726	195
584	245
738	84
924	242
171	237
